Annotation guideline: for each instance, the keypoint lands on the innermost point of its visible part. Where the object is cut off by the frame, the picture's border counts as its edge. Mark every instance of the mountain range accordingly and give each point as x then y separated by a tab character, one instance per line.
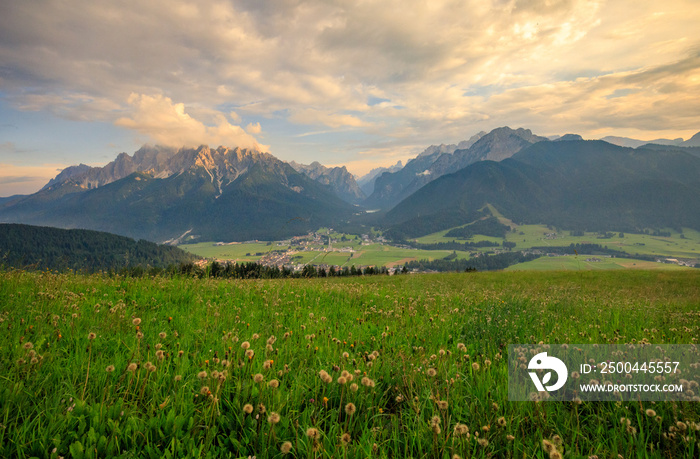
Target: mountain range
587	185
436	161
163	194
173	195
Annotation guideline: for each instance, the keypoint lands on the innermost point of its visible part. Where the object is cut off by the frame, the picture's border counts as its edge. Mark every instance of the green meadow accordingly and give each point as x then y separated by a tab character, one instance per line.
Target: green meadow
375	366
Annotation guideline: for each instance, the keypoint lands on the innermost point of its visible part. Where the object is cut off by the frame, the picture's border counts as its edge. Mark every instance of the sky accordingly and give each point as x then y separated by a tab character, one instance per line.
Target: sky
362	83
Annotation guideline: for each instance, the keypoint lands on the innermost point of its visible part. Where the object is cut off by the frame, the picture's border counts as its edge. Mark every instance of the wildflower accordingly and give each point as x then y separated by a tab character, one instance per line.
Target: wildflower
132	367
431	372
152	368
350	409
249	353
258	378
204	390
34	361
555	455
179	353
274	418
557	440
435	420
346	355
92	336
354	387
202	375
286	447
548	446
273	384
461	429
28	345
442	404
160	355
483	442
510	437
312	433
345	438
136	321
178	378
682	426
245	345
139	335
109	369
247	408
267	364
342	380
162	335
158	346
475	366
501	421
255	336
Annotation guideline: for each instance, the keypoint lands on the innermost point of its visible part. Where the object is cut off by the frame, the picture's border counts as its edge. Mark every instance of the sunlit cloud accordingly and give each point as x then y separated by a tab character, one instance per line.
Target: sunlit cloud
167	123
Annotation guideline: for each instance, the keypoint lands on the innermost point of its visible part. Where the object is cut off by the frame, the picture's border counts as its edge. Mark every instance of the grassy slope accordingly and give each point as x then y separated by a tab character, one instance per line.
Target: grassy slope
68	401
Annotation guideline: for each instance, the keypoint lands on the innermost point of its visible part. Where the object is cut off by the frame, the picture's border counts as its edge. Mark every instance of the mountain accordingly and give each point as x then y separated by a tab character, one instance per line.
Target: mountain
338	179
588	185
634	143
35	247
366	182
499	144
694	141
210	194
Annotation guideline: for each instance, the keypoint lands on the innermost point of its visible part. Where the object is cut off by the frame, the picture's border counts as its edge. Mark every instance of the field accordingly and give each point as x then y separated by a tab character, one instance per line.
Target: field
528	236
590	262
684	245
380	366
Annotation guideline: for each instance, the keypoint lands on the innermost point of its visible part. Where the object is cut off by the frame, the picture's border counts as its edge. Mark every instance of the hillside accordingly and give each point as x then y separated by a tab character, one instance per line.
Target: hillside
587	185
34	247
435	162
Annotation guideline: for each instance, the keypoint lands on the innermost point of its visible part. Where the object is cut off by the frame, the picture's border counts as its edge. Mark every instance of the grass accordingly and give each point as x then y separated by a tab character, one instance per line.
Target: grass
424	351
577	263
643	244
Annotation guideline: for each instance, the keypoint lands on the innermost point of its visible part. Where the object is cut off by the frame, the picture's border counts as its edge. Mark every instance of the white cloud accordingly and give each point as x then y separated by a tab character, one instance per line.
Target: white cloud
167	123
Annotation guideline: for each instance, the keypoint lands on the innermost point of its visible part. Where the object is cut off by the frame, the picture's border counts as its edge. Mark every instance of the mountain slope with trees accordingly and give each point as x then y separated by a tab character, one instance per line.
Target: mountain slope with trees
35	247
586	185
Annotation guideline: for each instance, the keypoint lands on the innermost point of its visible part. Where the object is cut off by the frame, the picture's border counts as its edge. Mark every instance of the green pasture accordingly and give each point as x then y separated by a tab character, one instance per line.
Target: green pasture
586	262
372	366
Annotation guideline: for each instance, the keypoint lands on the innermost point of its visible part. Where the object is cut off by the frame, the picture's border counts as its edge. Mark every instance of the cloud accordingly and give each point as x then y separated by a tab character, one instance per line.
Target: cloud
167	123
326	118
253	128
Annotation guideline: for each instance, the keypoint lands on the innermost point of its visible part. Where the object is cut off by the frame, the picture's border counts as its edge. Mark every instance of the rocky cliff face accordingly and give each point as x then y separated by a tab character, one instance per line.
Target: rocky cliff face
338	179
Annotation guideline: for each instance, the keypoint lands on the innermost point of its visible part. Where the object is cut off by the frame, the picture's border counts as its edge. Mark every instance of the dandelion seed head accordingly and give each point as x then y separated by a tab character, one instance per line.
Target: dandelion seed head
247	408
350	409
109	369
286	447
